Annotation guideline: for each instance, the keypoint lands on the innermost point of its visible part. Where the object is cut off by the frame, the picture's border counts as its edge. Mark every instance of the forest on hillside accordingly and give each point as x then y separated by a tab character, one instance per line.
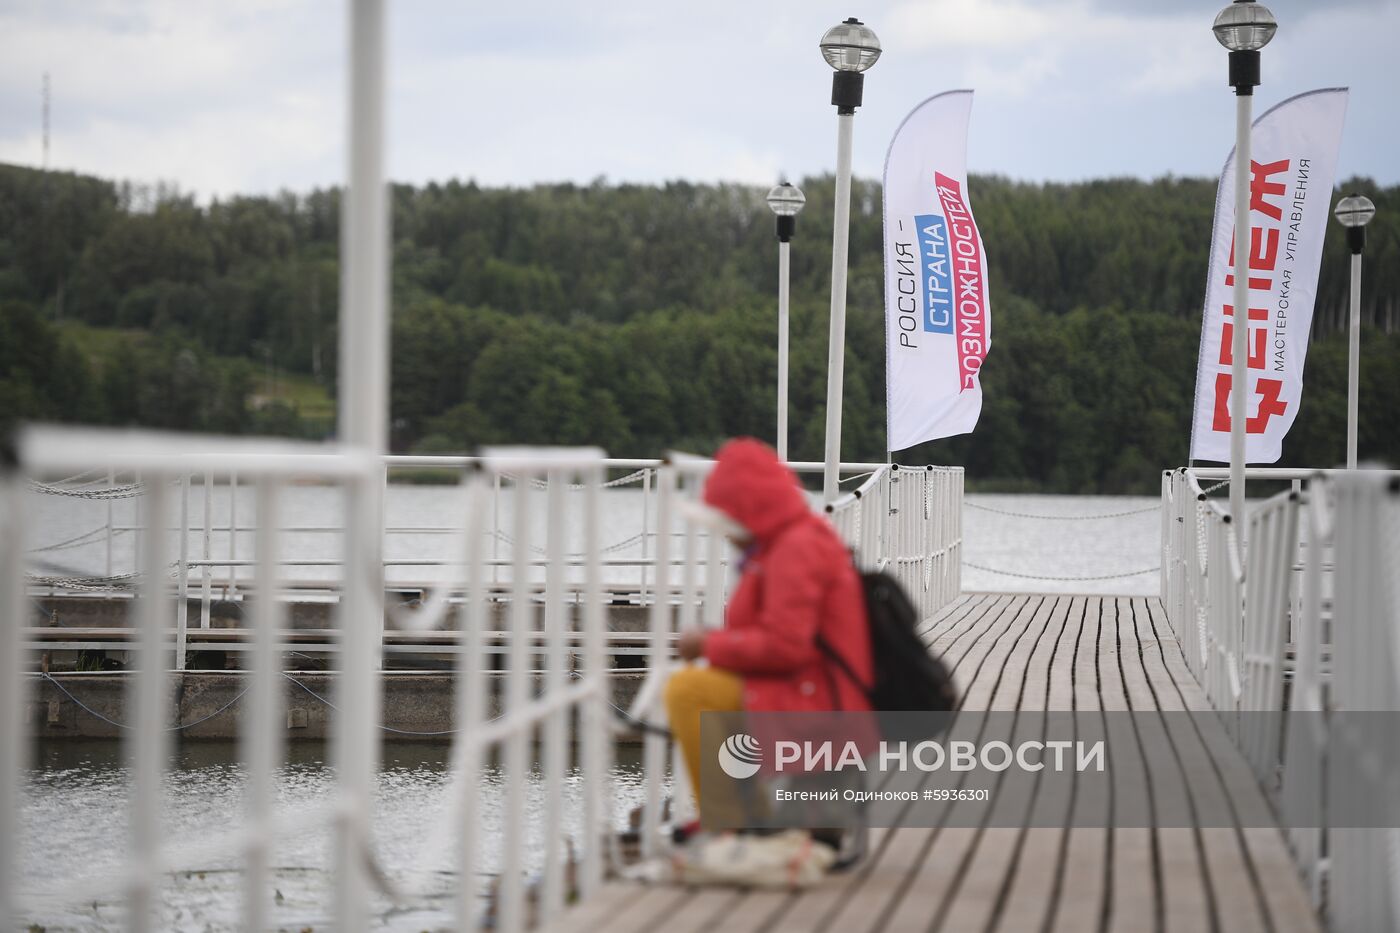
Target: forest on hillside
643	318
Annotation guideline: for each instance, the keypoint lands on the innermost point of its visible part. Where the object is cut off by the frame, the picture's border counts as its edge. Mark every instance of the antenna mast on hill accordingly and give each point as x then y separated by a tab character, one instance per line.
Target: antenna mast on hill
46	121
46	220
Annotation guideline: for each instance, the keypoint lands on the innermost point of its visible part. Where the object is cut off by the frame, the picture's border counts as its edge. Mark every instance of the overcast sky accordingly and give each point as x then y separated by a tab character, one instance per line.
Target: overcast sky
246	96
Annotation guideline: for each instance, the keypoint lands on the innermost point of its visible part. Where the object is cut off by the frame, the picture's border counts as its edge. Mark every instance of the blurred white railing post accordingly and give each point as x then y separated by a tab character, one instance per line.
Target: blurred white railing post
149	706
1273	538
13	613
206	585
646	531
111	481
363	425
515	693
1364	873
182	594
597	738
555	757
261	733
231	588
658	656
470	700
1305	749
495	527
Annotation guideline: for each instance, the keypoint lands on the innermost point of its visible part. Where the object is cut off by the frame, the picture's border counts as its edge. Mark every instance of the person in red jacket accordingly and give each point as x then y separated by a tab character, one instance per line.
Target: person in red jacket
798	585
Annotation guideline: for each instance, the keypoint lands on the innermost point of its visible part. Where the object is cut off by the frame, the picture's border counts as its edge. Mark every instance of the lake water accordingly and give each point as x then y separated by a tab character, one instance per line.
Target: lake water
74	819
74	825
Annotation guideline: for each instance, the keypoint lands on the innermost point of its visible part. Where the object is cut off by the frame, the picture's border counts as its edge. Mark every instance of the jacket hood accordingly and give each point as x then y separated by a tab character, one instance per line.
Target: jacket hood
752	486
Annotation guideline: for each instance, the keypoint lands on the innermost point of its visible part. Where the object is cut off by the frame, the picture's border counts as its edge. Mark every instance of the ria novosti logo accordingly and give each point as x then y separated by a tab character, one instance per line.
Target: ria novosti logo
740	756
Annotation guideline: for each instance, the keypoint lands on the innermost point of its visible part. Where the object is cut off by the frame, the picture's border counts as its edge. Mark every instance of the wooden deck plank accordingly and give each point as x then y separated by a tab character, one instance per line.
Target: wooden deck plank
1081	903
1228	885
867	895
1134	899
1184	897
753	911
708	909
1034	883
1273	870
956	609
620	905
657	905
944	853
1026	653
893	866
980	887
956	635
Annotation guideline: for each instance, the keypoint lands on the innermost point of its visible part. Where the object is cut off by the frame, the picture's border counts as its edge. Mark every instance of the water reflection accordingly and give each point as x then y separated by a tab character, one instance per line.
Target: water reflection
75	823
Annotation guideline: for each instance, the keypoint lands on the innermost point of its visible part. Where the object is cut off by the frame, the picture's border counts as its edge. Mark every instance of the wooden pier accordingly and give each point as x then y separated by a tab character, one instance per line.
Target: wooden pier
1030	652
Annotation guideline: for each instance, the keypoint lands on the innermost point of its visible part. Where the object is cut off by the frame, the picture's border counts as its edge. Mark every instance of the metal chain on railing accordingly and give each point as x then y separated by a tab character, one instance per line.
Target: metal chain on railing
121	725
1063	518
1081	518
127	491
75	580
90	491
82	540
1062	579
636	476
118	581
618	546
1059	578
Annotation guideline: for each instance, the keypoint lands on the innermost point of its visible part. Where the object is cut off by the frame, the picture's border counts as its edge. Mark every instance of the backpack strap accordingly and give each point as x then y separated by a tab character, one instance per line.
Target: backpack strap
846	668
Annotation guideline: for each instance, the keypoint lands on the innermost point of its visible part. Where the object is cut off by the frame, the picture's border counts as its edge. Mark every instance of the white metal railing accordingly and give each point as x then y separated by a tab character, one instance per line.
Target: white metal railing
1363	877
210	561
551	712
1229	642
569	684
903	520
908	521
159	458
1325	583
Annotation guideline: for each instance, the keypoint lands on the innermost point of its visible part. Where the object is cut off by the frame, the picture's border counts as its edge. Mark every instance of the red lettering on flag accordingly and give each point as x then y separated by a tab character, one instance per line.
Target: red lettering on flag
1270	404
970	311
1263	254
1257	353
1259	185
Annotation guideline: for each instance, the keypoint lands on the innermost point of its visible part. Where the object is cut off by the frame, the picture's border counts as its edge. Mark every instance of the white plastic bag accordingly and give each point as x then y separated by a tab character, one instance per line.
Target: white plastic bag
786	860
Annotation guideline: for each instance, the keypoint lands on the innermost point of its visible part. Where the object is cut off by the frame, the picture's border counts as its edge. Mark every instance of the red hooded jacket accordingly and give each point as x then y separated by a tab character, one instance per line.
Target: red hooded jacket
798	581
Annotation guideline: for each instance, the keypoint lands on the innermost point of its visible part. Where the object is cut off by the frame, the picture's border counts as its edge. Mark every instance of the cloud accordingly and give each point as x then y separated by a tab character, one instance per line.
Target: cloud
249	96
1020	49
973	24
215	98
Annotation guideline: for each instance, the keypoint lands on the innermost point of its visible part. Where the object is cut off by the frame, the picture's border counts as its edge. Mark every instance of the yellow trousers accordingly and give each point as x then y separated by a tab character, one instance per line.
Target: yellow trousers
693	690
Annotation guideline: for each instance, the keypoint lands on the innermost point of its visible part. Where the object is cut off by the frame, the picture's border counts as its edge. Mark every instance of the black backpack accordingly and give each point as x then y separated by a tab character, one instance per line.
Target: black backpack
907	677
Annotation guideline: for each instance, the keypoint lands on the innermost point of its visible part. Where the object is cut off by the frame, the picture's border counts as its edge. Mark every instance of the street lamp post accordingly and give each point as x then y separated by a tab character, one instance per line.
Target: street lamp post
850	48
1243	27
787	201
1354	213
